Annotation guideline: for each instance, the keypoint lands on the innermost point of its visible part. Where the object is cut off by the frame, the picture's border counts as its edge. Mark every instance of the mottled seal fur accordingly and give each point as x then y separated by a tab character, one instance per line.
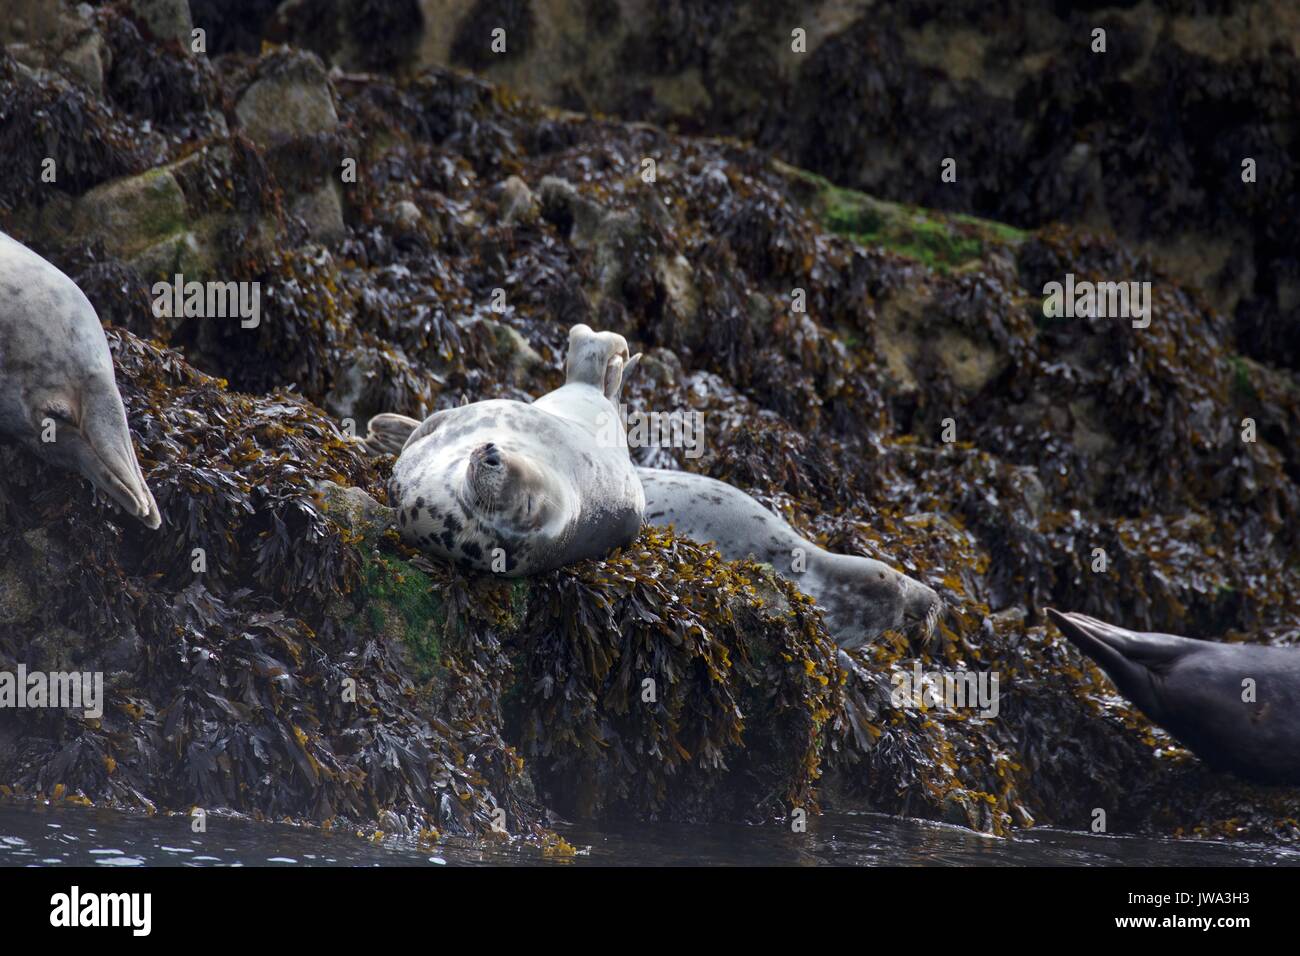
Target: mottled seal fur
56	378
861	597
1194	689
518	489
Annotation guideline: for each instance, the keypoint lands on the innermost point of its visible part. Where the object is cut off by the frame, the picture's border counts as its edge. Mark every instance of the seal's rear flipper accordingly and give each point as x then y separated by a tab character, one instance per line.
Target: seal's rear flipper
1134	660
387	433
616	373
599	359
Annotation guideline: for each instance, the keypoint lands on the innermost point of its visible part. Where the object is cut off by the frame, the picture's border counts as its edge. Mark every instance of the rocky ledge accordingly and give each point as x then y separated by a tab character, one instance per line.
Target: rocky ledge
884	375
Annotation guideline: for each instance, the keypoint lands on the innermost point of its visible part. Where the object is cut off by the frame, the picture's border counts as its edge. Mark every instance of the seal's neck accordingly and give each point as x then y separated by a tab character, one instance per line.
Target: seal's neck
587	407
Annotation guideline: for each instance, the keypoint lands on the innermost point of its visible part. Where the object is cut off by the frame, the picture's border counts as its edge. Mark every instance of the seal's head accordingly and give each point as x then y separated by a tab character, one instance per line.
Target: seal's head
79	424
880	599
510	492
496	502
56	380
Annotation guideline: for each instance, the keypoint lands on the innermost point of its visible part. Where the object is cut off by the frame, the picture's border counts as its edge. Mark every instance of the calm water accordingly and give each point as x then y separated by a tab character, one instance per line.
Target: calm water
74	836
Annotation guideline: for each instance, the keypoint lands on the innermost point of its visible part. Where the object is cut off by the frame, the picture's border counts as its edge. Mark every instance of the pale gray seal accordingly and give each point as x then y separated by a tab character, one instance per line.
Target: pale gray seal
518	489
57	391
1236	706
861	597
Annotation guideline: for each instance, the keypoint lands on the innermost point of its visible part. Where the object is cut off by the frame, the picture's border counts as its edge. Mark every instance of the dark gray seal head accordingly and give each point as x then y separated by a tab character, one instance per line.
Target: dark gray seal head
57	391
861	597
1236	706
519	489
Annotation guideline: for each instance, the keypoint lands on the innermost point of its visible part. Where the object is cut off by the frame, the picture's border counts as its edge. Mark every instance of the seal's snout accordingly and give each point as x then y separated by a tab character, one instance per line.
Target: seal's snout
90	435
488	475
922	607
108	460
56	367
1136	661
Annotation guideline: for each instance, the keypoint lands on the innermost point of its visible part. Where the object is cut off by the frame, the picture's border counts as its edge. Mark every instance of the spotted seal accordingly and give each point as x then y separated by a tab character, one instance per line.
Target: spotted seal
57	391
861	597
1236	706
521	488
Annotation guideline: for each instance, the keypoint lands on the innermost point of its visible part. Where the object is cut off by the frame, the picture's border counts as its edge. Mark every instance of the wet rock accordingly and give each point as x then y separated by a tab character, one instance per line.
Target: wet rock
291	97
88	59
353	393
571	212
147	221
972	364
322	212
662	366
58	34
55	648
517	204
405	216
354	509
50	22
131	214
958	810
165	19
513	350
357	34
611	236
677	279
17	601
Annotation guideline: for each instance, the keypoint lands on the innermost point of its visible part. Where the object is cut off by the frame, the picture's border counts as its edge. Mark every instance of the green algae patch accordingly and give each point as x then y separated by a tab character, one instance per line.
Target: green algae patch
940	241
400	601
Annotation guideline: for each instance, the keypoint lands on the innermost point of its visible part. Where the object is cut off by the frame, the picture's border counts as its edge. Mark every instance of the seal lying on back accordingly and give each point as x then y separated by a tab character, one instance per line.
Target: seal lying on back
1195	690
515	488
861	597
56	380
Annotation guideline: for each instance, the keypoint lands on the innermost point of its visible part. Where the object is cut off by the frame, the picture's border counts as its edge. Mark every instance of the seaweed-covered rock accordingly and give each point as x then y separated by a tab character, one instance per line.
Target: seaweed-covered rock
235	682
665	683
1177	135
883	375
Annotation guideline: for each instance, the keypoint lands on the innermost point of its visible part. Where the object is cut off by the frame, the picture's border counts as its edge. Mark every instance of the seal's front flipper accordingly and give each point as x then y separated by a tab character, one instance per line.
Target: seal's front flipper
387	433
